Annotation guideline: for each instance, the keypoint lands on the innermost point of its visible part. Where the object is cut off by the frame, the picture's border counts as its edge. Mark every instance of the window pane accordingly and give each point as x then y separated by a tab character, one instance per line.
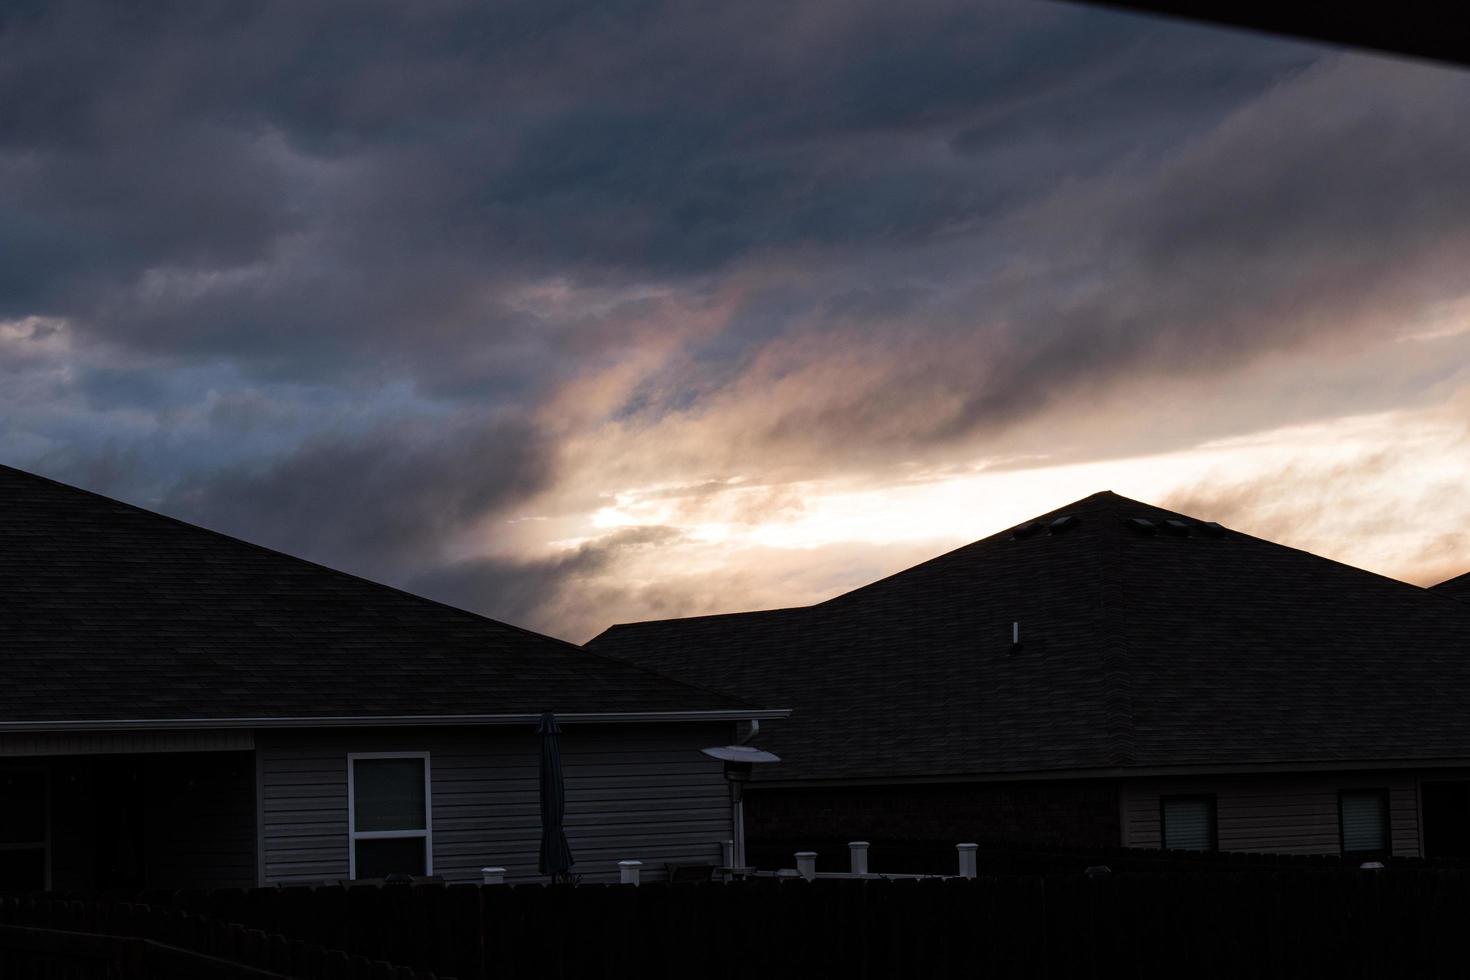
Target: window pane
22	807
1365	821
388	794
394	855
22	871
1189	823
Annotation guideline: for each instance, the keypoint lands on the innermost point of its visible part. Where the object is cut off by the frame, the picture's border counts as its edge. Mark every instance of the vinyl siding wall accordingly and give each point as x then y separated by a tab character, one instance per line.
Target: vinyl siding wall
1286	814
640	792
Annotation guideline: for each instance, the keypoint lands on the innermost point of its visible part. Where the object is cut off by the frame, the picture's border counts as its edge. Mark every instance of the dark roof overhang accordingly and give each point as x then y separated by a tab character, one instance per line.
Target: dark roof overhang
1415	29
390	721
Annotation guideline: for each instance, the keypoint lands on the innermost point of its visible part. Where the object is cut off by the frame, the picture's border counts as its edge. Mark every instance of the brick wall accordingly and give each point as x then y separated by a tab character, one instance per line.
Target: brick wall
1071	813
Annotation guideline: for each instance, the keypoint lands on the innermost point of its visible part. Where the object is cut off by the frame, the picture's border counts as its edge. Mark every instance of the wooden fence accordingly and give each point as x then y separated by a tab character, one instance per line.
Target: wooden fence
920	856
1297	924
56	939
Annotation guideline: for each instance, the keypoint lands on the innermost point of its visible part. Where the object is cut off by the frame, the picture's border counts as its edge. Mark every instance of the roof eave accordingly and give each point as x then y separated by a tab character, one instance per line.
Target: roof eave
774	781
392	721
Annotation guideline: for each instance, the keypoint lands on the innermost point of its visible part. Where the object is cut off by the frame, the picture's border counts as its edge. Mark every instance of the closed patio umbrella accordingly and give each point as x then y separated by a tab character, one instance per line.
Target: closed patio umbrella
556	856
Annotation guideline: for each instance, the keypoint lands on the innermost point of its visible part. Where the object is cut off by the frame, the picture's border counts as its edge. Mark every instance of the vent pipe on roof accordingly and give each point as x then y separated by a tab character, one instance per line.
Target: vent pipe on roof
1026	530
1015	637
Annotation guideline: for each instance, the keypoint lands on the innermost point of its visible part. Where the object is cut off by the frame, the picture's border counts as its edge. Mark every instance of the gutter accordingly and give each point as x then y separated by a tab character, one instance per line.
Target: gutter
1128	772
390	721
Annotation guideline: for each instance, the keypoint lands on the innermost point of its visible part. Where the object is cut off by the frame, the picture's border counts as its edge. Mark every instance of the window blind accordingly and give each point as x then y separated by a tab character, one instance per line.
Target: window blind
1364	821
1189	823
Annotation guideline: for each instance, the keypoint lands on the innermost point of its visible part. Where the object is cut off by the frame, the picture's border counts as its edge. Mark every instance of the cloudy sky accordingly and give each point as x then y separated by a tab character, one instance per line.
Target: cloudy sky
577	313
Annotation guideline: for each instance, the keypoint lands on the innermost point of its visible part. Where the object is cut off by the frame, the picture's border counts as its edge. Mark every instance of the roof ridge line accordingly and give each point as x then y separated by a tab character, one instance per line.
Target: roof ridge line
1463	576
704	616
1107	496
1338	562
567	647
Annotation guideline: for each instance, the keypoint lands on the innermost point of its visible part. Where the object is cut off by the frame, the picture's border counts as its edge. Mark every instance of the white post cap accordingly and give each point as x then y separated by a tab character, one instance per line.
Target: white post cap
967	859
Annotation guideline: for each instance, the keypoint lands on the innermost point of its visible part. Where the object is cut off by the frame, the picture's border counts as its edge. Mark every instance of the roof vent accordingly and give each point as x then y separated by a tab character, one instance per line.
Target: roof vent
1026	530
1178	528
1062	524
1142	525
1212	529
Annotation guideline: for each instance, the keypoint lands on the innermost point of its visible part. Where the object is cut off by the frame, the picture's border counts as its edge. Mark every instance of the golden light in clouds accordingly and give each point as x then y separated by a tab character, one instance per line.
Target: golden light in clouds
962	508
1383	491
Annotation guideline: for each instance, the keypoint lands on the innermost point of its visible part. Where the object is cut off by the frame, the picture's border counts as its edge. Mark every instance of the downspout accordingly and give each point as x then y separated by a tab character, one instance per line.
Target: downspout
737	807
737	798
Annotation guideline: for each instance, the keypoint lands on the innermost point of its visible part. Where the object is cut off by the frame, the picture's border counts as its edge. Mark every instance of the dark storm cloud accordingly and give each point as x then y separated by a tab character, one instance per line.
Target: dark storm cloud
1330	210
331	179
521	590
1333	207
382	504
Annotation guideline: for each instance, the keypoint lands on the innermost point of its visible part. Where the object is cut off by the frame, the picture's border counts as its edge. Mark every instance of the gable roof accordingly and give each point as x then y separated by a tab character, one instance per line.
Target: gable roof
1155	645
112	613
1456	588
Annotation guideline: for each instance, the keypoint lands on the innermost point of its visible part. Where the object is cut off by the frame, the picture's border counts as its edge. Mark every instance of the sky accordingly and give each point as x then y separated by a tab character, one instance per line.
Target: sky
574	313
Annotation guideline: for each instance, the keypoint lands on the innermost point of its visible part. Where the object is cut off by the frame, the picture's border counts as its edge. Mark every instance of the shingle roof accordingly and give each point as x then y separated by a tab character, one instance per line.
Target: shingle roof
111	612
1456	588
1157	645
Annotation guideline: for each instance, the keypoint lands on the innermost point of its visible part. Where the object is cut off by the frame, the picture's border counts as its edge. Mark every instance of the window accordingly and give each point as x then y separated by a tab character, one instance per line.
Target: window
23	832
388	814
1189	822
1363	814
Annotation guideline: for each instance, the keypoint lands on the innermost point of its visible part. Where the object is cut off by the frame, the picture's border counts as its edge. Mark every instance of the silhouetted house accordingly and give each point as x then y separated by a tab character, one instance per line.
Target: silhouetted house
1456	588
1110	673
179	708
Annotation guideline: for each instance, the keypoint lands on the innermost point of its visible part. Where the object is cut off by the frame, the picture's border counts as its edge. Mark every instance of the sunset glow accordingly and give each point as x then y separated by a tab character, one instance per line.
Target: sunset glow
679	313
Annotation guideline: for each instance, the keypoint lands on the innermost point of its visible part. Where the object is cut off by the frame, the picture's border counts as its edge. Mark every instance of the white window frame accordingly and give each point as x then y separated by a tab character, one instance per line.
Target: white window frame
354	835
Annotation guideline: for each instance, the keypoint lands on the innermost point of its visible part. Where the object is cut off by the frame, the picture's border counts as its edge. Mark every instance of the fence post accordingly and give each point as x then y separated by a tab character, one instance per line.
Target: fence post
806	863
858	851
628	872
492	876
967	859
